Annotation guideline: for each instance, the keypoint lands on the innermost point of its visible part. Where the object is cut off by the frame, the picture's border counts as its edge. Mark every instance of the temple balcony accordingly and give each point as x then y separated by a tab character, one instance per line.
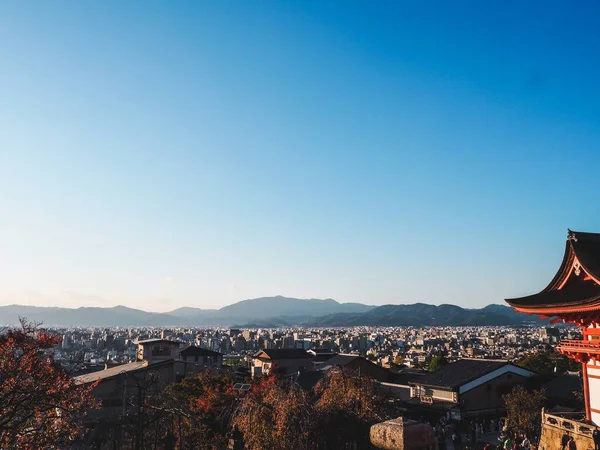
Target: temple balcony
580	350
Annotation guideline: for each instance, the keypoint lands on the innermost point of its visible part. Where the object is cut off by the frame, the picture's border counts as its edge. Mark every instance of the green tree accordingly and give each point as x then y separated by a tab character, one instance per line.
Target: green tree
548	362
437	362
524	408
399	359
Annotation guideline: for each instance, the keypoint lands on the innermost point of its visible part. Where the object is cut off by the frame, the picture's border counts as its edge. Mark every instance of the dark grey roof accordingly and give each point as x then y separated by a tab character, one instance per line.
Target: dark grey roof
564	385
156	340
308	380
461	372
340	360
287	353
406	376
192	350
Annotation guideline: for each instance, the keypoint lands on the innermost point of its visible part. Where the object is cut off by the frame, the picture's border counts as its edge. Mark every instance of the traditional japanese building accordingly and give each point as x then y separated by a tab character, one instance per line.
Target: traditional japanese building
573	296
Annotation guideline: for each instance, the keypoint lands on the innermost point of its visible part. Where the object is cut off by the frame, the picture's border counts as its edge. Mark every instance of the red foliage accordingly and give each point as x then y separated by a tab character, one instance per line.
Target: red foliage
40	405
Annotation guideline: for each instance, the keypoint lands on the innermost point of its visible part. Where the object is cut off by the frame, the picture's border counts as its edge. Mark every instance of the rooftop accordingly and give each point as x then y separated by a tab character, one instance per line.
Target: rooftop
157	340
459	373
288	353
576	286
111	372
193	350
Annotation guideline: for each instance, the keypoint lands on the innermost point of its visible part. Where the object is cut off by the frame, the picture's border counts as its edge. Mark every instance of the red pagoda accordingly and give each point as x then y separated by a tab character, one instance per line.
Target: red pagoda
573	296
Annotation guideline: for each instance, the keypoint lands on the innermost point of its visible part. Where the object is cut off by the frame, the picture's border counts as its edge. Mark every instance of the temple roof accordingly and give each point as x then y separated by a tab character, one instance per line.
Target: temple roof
576	286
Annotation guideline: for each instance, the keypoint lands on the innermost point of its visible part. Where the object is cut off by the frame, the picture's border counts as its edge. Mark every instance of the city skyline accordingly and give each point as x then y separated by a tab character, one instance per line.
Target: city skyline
158	155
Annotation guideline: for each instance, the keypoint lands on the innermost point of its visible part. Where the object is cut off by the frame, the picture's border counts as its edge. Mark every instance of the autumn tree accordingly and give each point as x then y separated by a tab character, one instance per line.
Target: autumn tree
194	413
275	415
201	408
347	404
338	413
40	404
524	408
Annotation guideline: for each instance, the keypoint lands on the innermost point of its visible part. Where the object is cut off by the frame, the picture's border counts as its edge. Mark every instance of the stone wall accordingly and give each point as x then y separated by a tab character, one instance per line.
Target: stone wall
554	427
403	434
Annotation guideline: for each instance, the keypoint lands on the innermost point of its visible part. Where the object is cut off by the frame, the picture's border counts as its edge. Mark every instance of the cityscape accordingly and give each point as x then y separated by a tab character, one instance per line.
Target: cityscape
299	225
385	346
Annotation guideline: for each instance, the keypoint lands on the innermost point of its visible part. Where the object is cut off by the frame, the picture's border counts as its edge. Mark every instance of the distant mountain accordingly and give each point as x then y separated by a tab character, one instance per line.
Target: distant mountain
115	316
260	308
269	312
420	314
282	309
187	311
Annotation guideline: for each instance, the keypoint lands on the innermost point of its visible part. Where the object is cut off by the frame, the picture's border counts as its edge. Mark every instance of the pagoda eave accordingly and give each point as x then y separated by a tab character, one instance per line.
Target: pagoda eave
552	311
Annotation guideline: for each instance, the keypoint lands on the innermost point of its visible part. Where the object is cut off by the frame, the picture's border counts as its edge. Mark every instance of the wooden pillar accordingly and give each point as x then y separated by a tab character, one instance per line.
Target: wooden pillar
586	390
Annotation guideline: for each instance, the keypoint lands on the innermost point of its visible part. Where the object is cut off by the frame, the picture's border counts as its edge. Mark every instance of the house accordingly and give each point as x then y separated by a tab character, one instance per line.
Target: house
466	388
358	365
321	355
155	350
160	363
288	361
201	356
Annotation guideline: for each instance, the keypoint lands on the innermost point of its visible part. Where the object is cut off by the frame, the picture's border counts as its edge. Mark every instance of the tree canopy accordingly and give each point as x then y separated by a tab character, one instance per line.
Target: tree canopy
548	362
524	409
437	362
40	404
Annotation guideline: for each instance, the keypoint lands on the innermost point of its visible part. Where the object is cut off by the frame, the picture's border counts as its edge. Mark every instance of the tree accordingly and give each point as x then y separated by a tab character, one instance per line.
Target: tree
346	405
548	362
192	414
437	362
524	408
277	415
40	404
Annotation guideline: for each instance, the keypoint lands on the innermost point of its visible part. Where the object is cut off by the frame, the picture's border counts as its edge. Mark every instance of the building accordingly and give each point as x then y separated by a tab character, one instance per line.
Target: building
573	296
466	388
161	364
156	350
288	361
201	356
357	365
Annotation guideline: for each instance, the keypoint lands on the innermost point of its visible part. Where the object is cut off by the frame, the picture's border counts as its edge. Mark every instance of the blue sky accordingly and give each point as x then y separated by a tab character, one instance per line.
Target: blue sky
161	154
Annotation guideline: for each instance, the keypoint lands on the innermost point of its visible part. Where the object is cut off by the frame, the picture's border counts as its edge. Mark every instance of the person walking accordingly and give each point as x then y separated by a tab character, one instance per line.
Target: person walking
456	440
572	445
441	439
565	440
525	444
596	437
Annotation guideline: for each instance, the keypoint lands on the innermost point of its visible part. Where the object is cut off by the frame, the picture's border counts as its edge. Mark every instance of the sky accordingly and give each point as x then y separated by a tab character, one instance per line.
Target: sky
197	153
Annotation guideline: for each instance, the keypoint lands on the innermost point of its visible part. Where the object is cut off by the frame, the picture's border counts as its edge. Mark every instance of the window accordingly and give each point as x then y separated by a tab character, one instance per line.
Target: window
160	350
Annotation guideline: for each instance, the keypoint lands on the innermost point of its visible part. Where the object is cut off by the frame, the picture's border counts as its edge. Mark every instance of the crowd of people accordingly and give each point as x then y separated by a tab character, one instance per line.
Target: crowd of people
467	436
514	441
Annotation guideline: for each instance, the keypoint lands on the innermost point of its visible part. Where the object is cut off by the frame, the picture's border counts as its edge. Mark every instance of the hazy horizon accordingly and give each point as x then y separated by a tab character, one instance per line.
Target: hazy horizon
241	300
160	155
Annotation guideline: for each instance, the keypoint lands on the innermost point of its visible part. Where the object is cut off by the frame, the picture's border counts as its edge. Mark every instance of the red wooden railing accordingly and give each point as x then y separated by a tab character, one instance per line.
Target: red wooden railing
579	343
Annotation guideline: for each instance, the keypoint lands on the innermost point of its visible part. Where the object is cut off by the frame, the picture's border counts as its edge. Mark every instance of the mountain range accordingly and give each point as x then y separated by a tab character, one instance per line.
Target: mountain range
270	312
